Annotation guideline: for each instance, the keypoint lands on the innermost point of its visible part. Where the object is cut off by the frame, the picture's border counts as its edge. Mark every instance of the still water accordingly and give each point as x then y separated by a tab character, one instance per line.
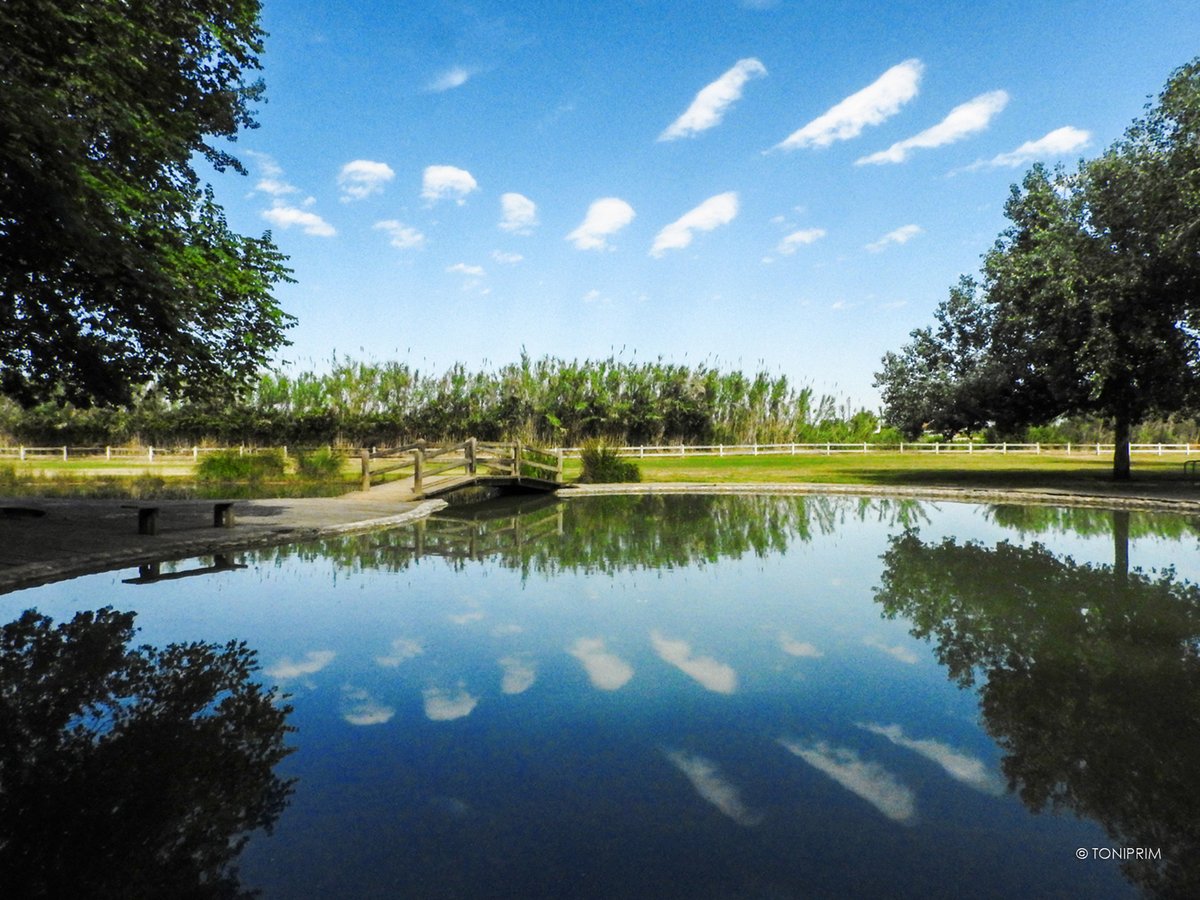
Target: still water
669	696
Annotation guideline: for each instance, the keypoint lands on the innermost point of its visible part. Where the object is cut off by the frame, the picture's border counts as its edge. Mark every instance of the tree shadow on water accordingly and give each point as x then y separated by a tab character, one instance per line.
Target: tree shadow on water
131	771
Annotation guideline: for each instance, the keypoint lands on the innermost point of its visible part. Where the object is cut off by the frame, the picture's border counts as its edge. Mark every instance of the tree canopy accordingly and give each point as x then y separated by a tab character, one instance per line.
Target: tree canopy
1089	301
117	268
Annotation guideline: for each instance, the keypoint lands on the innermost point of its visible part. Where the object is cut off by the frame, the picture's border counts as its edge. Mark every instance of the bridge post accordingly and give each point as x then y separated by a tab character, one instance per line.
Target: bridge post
470	456
558	465
365	454
418	466
517	460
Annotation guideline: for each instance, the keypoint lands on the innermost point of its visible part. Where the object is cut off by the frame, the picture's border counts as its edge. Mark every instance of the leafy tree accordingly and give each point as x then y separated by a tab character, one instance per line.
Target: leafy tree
1090	302
117	269
130	772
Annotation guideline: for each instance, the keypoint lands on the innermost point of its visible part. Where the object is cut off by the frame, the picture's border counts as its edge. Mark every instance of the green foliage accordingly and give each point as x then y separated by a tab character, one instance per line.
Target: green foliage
603	465
232	466
322	464
1090	303
118	272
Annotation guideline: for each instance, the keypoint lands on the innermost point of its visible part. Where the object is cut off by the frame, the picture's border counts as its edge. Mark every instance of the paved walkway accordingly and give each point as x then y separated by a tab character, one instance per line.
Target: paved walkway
75	537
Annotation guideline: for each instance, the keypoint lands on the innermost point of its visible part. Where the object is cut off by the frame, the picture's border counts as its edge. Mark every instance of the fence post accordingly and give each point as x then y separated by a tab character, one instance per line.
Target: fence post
970	448
864	446
1004	448
1039	448
720	449
418	469
756	448
195	453
471	456
150	453
828	449
641	452
22	454
517	460
558	468
108	452
365	456
1097	449
793	448
64	454
285	451
936	449
1160	449
1068	448
681	454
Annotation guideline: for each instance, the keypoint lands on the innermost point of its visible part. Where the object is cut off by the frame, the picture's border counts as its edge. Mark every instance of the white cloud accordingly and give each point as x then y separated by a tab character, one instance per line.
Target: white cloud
605	670
896	651
710	784
710	104
313	662
276	187
362	178
439	182
266	163
712	213
285	216
403	650
793	647
450	79
605	217
519	674
400	235
901	235
474	272
875	103
1059	141
970	770
507	259
443	706
594	296
963	121
868	780
519	213
797	239
362	709
708	672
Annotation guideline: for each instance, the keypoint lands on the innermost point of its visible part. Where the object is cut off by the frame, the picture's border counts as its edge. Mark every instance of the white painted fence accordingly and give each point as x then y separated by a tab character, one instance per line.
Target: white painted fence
651	451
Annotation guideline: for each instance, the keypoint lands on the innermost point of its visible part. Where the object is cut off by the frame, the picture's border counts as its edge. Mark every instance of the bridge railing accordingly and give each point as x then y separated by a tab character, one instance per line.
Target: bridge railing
509	459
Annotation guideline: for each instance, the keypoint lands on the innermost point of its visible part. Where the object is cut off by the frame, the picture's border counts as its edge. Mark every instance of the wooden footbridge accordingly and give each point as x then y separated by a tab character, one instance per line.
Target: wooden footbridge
431	471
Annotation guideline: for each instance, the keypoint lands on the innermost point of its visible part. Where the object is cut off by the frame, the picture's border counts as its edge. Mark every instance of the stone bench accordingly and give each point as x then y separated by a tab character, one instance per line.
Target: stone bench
147	515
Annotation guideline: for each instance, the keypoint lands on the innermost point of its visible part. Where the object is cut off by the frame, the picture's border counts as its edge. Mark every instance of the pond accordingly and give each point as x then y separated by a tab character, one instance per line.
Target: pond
648	696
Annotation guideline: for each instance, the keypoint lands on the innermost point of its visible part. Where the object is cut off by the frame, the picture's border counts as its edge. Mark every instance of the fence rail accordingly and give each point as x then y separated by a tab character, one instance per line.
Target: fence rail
652	451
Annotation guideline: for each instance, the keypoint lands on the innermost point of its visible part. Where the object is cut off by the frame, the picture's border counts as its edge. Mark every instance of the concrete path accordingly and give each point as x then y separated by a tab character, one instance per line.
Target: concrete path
75	537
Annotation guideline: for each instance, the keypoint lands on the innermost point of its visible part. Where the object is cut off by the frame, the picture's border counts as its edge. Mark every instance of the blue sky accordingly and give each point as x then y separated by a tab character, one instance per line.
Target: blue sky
789	185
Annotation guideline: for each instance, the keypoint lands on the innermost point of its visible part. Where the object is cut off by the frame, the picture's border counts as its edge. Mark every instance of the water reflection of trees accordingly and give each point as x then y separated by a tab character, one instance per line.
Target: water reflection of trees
1091	521
609	533
130	772
1089	679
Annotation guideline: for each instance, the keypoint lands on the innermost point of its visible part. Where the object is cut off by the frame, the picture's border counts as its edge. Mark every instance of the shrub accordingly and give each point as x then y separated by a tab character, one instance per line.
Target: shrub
321	464
602	464
230	466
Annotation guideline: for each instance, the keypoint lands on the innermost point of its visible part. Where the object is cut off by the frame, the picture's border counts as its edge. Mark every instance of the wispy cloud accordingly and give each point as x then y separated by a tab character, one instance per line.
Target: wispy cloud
868	780
963	121
445	706
710	784
970	770
276	187
798	239
362	178
710	105
314	661
519	213
901	235
403	650
706	671
605	670
453	77
605	217
440	182
895	651
793	647
507	259
875	103
1059	141
519	674
400	235
474	272
284	216
712	213
360	708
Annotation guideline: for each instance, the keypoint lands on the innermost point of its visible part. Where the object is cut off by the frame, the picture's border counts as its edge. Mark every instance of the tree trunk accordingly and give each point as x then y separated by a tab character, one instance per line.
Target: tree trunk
1121	450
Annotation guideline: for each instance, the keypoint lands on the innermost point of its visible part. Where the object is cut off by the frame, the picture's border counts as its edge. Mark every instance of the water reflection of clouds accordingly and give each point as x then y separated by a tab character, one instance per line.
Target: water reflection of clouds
868	780
519	674
896	651
287	668
403	650
445	706
970	770
466	618
507	630
605	670
708	672
802	649
710	784
363	709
